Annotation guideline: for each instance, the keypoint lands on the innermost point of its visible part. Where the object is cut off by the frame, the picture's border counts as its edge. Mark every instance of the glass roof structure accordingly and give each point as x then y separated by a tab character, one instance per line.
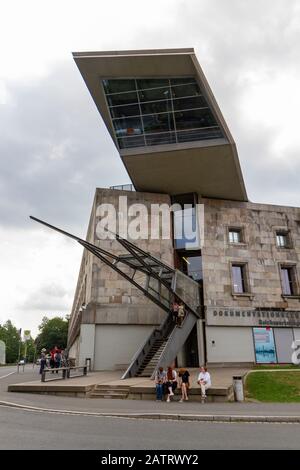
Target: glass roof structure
157	111
164	120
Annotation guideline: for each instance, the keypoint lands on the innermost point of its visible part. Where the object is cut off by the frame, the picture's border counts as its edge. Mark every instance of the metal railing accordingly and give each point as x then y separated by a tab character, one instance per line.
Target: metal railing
62	373
123	187
139	356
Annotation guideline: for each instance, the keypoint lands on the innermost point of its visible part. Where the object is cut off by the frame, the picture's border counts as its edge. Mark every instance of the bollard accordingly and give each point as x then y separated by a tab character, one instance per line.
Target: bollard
238	388
88	362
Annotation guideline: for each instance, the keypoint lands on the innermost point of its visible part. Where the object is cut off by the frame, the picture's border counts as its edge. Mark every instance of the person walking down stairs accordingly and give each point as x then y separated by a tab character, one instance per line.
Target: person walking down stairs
181	314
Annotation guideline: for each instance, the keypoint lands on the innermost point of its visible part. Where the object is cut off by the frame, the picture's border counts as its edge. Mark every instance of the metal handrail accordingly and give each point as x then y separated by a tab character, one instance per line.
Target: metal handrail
145	348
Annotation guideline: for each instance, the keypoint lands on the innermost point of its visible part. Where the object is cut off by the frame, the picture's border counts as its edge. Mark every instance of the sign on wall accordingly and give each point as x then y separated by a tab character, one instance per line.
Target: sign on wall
264	345
247	317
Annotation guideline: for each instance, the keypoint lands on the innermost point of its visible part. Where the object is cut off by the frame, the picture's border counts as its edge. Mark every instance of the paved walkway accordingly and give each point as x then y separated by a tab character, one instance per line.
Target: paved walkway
221	377
261	412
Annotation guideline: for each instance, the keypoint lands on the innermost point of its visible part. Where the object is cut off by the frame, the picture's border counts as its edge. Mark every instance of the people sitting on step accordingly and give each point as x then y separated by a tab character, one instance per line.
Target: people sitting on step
160	380
184	383
171	382
204	380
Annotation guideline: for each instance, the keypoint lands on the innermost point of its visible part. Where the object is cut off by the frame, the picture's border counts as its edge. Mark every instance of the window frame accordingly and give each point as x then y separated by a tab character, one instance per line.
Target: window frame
241	230
294	282
179	136
287	234
245	278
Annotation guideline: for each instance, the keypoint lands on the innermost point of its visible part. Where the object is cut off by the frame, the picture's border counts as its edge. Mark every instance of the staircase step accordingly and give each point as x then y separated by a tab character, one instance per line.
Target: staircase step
111	389
120	396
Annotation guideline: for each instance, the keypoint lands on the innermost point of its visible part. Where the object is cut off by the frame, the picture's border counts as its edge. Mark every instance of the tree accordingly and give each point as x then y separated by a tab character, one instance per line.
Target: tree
53	332
10	335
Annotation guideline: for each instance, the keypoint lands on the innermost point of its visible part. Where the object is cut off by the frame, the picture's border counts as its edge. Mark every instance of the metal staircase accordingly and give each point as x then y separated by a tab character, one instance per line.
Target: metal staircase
161	284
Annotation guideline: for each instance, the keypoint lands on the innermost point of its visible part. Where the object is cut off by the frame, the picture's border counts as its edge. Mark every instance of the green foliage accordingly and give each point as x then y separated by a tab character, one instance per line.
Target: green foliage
10	335
274	386
53	332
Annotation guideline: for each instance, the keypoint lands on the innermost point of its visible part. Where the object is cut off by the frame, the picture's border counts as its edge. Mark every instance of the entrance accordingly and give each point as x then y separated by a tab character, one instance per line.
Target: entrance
191	349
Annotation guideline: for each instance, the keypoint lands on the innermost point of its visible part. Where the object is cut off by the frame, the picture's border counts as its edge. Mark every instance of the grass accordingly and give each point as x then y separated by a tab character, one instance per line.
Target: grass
275	366
282	387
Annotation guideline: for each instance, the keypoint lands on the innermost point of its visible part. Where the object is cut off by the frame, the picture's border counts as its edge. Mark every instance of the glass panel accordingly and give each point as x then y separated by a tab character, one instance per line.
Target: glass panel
234	236
194	267
186	228
158	123
130	142
282	240
199	134
238	282
155	94
128	126
191	89
152	83
118	85
123	111
286	278
182	80
156	107
194	119
162	138
150	105
187	290
122	98
189	103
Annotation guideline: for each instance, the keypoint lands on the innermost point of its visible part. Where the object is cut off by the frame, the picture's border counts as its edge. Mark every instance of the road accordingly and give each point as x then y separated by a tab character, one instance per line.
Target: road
23	429
7	371
31	430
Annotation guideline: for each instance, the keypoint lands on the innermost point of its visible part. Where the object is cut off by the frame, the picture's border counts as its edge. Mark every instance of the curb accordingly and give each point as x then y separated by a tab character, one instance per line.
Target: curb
162	416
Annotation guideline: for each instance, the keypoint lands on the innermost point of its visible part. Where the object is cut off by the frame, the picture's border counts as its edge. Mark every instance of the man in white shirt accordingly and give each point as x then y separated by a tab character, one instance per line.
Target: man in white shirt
204	381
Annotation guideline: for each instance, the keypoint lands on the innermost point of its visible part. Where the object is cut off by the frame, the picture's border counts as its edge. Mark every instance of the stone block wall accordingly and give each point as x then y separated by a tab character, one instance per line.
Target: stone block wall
110	298
259	223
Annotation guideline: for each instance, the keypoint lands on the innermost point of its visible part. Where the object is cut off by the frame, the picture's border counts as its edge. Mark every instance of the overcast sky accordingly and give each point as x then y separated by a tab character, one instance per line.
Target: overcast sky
55	150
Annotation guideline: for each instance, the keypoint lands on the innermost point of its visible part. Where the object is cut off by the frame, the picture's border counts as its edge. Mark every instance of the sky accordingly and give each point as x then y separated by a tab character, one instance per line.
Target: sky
55	149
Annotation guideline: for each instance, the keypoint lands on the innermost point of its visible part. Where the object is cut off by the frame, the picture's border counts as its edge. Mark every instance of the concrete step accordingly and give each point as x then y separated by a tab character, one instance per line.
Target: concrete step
110	391
119	396
111	388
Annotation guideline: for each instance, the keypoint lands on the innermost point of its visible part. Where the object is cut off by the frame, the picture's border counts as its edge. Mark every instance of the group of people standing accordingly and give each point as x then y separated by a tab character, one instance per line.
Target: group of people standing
166	382
54	359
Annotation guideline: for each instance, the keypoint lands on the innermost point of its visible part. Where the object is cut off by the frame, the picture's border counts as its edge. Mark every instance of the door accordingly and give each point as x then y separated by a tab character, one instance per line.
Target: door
283	341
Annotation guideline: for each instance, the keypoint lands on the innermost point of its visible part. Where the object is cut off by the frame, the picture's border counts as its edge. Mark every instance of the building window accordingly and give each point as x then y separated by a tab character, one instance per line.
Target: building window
185	222
156	111
288	280
239	278
235	235
283	239
192	267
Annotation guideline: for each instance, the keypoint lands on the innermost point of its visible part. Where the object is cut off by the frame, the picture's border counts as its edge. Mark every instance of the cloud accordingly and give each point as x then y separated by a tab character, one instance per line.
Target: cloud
55	150
50	296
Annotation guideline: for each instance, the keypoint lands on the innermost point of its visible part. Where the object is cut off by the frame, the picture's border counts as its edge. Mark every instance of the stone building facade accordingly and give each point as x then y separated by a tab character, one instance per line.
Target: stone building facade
117	317
176	146
231	316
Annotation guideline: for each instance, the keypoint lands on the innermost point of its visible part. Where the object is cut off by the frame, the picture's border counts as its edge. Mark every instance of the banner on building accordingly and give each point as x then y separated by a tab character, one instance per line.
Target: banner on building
264	344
